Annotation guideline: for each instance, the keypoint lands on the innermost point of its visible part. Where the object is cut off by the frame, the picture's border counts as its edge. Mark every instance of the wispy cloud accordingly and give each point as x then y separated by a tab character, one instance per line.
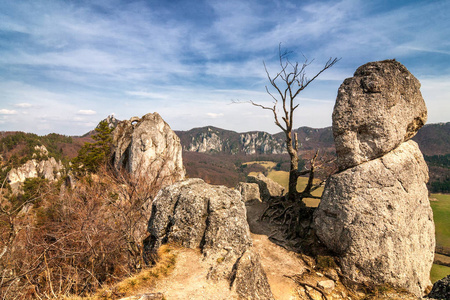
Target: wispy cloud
187	59
23	105
86	112
214	115
7	112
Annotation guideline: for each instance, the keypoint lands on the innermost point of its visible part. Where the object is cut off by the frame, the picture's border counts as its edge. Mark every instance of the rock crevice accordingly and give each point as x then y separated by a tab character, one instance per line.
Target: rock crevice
194	214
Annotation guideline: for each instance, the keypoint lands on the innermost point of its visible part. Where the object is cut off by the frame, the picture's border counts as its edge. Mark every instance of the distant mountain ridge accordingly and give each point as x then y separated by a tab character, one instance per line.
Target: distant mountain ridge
211	139
433	139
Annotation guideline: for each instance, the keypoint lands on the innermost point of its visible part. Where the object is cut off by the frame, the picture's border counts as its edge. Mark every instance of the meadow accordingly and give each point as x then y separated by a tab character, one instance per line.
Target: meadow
282	177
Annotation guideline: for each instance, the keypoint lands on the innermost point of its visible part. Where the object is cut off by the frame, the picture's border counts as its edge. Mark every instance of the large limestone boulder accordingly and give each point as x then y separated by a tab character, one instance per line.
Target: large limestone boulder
194	214
377	218
376	110
148	148
267	187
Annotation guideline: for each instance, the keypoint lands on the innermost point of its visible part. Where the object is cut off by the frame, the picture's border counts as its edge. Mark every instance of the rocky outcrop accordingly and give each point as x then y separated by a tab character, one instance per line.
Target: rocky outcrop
49	169
249	278
206	142
148	148
375	214
378	219
376	110
215	140
194	214
267	187
441	289
259	142
249	191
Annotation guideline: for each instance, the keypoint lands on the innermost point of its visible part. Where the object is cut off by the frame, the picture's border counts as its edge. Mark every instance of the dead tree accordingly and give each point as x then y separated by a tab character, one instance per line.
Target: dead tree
288	83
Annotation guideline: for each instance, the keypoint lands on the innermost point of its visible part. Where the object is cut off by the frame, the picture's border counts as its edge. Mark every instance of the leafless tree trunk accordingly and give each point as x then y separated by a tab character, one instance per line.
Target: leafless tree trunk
288	83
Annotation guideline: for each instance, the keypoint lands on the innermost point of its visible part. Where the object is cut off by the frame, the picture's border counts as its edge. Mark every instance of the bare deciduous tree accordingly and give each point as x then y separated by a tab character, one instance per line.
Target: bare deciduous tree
288	83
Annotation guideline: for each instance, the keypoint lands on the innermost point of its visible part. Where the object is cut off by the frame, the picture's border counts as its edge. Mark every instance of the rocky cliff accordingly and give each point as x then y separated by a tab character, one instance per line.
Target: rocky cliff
375	214
215	140
48	168
147	148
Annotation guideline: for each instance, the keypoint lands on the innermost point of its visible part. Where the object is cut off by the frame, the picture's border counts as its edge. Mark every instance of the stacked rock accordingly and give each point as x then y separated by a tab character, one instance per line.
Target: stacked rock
375	213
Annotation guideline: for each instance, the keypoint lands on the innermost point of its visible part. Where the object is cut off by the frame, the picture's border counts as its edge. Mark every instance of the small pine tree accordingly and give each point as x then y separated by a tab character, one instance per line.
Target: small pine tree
92	155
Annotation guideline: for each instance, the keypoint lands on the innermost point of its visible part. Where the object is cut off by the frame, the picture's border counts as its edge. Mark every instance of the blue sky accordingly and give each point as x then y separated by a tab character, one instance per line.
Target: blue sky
65	65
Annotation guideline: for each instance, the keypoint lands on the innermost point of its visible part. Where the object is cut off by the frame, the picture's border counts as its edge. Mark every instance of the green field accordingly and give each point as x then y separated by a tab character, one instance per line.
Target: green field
282	177
438	272
440	204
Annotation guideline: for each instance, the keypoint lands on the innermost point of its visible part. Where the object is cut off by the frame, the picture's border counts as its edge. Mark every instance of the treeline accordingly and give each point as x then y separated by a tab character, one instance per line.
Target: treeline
441	164
26	143
438	160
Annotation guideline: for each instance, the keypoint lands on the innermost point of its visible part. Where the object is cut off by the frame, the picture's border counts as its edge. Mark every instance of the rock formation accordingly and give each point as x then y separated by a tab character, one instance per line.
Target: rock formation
441	289
195	214
215	140
376	110
261	142
375	214
267	187
249	191
148	148
48	169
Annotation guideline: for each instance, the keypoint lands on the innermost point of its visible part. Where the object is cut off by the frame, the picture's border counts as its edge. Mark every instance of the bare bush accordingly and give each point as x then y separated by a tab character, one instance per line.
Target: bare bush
66	241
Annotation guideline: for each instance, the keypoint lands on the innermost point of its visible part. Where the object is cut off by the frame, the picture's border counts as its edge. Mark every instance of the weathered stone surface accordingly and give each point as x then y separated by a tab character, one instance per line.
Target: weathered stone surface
148	148
194	214
249	191
377	218
49	169
267	187
249	278
376	110
327	285
441	289
260	142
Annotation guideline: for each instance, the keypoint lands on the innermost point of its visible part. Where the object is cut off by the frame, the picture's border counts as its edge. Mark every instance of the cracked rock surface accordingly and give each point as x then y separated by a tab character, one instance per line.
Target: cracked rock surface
375	214
378	220
376	110
194	214
149	149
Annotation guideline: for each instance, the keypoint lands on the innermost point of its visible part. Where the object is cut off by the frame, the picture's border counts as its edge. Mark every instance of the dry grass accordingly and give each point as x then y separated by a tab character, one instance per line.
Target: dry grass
266	164
139	282
282	177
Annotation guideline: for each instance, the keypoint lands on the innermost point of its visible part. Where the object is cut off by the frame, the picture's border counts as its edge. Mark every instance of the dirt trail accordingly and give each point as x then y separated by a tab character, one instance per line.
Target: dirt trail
276	260
188	279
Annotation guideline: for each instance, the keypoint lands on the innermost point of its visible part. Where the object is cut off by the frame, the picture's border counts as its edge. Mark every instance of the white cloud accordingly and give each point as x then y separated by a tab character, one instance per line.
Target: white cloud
23	105
214	115
86	112
7	112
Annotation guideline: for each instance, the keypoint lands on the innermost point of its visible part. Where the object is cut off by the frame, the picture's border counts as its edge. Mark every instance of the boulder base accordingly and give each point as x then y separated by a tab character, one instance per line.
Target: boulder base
377	218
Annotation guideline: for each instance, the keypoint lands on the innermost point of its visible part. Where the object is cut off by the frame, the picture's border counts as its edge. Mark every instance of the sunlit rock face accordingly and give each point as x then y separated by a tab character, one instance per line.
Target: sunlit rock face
211	218
148	148
48	168
375	214
376	110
